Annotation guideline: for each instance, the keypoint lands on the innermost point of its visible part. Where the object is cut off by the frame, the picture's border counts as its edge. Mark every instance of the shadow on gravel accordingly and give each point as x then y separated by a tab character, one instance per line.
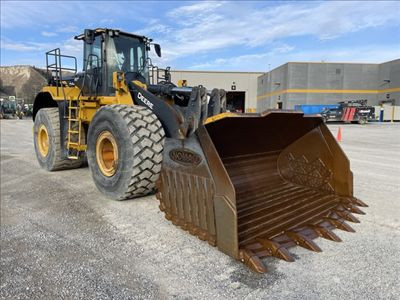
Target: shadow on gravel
254	280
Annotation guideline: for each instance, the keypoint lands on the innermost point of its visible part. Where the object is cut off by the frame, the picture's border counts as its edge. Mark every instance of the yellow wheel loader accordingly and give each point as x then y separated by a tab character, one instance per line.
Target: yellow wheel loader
252	185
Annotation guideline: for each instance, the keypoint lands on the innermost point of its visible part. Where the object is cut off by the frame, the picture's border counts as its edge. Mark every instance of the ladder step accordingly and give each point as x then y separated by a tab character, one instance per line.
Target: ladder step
74	120
73	131
73	107
72	157
76	146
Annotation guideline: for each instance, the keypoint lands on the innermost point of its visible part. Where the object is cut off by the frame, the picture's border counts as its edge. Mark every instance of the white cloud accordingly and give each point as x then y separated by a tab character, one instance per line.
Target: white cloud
20	14
363	54
208	26
199	7
72	47
68	47
70	14
196	31
16	46
156	27
106	21
275	58
48	33
68	29
246	62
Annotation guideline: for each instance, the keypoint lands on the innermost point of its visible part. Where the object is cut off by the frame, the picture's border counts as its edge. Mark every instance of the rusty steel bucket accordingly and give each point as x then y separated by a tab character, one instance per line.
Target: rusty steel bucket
255	184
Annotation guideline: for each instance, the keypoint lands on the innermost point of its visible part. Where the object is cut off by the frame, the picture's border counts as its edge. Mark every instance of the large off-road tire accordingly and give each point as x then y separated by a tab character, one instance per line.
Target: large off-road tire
125	149
46	137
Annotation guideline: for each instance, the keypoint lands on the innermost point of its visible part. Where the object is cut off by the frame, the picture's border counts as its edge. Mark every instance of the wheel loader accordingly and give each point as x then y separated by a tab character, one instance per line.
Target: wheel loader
250	184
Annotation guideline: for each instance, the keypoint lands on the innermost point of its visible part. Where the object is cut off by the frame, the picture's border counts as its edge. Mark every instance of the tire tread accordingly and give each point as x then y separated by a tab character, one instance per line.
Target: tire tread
147	137
59	163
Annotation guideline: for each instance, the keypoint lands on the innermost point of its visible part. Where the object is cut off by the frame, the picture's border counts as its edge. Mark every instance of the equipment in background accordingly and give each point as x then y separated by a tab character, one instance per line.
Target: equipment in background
20	112
28	110
250	184
353	111
310	109
8	109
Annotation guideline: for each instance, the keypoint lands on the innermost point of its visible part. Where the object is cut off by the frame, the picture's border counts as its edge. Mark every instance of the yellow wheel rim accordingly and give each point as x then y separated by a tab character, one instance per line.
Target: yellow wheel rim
107	153
43	140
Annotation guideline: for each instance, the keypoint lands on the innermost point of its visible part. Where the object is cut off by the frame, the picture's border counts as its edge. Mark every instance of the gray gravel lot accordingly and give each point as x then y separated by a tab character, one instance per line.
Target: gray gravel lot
60	238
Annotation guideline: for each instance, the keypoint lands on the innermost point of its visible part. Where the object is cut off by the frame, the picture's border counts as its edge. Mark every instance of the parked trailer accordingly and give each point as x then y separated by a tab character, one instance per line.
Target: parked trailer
347	111
312	109
353	111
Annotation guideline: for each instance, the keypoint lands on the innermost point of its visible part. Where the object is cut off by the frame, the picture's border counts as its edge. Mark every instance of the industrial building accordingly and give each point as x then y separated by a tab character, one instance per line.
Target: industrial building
241	87
297	83
328	83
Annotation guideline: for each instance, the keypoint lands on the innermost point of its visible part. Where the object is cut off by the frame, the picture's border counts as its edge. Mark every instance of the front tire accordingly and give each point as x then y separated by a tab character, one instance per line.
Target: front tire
125	148
46	137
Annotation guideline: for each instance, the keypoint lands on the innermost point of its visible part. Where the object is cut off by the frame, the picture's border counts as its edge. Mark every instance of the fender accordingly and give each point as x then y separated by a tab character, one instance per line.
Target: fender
170	118
44	100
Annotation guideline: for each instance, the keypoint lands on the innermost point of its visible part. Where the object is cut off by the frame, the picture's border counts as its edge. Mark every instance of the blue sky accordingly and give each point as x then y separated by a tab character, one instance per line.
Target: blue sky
242	36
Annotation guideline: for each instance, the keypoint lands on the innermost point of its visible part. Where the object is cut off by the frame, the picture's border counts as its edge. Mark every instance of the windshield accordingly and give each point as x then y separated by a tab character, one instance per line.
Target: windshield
126	54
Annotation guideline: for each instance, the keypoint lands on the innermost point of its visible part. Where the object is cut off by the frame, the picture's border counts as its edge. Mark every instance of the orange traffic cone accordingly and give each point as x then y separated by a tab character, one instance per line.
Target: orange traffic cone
339	135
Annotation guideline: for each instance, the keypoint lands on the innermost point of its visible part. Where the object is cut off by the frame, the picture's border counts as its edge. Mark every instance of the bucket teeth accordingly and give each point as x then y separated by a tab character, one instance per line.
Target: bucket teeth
340	225
303	241
276	249
352	208
325	233
259	197
359	202
347	216
356	201
250	259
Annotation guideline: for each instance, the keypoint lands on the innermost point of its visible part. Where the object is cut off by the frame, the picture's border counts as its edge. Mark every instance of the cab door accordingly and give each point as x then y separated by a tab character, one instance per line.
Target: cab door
93	67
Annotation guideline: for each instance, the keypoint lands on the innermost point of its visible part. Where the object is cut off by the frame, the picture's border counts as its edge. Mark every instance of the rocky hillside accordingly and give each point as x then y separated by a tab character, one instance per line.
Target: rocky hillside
24	82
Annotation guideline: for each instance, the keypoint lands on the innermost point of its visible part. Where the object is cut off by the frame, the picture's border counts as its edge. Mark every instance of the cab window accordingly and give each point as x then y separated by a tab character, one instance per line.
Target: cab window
92	58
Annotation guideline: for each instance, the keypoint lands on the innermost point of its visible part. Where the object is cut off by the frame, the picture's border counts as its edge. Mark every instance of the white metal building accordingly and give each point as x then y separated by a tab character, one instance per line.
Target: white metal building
241	87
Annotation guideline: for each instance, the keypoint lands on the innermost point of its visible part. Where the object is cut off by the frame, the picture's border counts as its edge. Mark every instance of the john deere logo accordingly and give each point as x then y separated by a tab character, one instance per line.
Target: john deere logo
185	156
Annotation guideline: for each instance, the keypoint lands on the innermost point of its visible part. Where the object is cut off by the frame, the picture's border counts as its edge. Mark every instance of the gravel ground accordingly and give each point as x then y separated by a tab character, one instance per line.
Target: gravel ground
60	238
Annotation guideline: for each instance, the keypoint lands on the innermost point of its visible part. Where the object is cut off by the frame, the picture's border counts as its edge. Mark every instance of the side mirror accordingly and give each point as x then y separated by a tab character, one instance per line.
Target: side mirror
89	36
157	48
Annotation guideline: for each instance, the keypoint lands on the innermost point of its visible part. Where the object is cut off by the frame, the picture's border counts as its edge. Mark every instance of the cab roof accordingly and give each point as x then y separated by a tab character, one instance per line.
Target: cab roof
115	32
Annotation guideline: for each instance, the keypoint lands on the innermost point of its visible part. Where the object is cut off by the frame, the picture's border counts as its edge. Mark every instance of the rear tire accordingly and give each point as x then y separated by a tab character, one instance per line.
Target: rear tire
46	137
125	149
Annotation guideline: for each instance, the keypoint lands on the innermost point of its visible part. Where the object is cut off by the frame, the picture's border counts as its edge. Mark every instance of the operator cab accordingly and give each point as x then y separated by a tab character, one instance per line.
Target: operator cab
107	51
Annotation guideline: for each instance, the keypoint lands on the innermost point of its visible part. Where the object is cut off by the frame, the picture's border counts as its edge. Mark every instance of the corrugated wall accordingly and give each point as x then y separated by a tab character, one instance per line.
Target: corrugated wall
328	83
389	81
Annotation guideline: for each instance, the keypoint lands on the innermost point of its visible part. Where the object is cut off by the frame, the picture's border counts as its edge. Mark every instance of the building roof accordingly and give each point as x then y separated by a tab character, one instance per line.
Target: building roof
229	72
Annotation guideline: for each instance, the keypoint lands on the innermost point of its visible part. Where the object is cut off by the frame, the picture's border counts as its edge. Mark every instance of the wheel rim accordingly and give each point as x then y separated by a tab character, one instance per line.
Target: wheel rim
43	140
107	153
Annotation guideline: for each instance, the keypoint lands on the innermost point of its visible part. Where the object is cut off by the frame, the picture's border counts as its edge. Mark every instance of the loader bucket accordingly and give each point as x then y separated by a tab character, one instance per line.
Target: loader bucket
255	184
